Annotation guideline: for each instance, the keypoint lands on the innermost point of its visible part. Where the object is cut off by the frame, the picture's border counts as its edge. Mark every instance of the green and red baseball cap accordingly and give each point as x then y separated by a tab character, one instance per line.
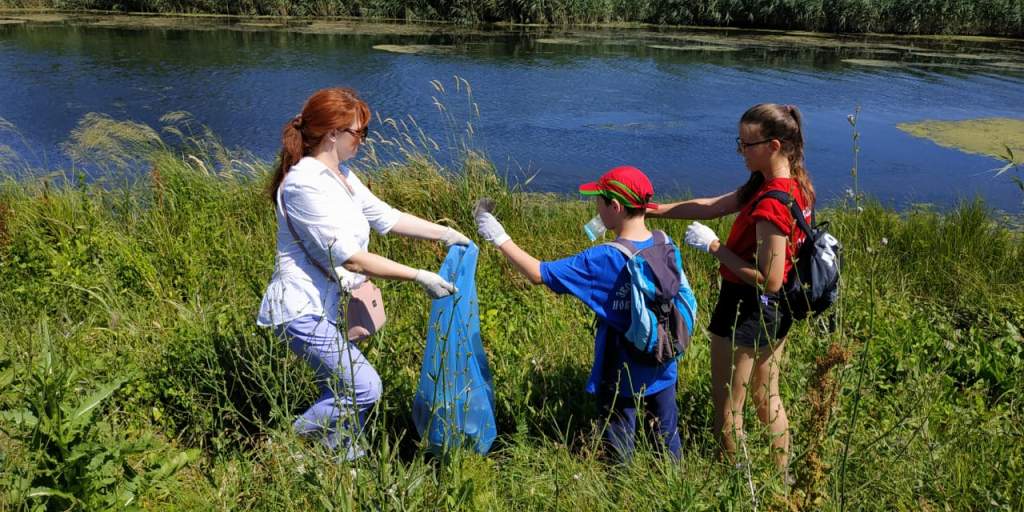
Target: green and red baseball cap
626	183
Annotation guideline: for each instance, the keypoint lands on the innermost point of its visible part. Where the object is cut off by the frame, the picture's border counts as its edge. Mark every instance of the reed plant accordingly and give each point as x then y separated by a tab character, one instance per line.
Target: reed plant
154	286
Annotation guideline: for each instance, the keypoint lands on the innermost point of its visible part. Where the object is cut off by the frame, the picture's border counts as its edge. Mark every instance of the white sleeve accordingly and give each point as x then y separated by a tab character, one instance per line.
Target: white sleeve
381	216
314	215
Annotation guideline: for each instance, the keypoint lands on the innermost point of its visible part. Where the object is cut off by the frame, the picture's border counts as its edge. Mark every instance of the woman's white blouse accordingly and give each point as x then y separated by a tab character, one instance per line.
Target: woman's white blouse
333	224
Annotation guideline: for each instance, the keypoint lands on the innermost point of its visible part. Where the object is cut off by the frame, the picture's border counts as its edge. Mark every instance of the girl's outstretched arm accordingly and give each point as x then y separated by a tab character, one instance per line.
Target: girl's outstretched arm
699	208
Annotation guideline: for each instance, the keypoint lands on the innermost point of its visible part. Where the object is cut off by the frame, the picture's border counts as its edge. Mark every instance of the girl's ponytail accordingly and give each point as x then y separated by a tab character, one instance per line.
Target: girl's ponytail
796	157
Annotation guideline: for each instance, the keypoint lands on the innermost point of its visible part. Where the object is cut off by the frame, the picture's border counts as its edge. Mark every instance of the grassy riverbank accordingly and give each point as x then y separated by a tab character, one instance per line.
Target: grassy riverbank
971	17
131	370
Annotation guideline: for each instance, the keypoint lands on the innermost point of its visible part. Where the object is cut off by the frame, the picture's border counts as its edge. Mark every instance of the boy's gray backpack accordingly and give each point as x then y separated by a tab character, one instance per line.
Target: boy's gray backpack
813	282
663	307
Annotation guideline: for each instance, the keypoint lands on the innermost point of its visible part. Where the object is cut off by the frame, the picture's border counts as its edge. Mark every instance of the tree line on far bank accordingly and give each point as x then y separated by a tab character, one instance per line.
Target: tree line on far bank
968	17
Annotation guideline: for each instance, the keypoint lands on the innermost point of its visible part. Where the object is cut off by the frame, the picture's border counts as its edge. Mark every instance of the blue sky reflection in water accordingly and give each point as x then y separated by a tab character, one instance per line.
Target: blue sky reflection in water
566	112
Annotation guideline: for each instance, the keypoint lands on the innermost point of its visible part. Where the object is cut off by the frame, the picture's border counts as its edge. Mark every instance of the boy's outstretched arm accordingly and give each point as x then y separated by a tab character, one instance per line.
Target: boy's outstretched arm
492	231
526	265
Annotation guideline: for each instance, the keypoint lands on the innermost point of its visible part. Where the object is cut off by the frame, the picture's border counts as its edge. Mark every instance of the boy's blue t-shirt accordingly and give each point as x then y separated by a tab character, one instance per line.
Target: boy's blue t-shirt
599	278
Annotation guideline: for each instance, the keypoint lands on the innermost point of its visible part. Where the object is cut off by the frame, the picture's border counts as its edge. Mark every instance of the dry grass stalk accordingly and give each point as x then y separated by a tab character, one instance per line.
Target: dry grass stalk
821	394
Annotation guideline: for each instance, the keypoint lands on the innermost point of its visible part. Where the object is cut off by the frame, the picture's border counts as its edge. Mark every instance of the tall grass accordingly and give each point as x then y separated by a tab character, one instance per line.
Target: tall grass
983	17
154	286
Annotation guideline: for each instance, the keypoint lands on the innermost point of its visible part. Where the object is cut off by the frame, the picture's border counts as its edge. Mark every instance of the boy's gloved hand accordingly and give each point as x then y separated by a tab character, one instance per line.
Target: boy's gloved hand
489	228
434	285
452	237
700	236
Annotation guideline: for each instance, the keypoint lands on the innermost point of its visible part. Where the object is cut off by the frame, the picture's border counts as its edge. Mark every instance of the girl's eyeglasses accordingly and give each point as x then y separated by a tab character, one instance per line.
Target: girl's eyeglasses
742	146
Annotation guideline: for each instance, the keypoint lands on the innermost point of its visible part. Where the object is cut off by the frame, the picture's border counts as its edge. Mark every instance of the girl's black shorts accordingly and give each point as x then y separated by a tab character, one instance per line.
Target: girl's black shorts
749	318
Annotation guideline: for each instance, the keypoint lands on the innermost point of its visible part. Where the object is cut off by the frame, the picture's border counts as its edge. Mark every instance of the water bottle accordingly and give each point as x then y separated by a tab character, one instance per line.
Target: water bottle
595	228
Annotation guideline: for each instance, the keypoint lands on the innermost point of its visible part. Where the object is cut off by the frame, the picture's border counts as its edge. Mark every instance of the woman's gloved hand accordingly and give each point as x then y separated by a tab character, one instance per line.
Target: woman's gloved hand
700	236
452	237
415	227
434	285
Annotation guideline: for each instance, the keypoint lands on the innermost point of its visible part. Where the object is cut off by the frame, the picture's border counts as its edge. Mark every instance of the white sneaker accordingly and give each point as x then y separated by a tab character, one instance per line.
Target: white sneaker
354	451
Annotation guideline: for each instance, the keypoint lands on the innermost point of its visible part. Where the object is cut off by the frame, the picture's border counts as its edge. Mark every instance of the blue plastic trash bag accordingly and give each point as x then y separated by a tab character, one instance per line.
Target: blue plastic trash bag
454	403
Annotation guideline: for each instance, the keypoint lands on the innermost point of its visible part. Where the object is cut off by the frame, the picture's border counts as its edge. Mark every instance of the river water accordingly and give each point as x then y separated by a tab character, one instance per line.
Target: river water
560	106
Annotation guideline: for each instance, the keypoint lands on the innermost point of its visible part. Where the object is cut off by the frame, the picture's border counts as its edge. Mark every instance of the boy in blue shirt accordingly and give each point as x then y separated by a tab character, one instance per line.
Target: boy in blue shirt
598	276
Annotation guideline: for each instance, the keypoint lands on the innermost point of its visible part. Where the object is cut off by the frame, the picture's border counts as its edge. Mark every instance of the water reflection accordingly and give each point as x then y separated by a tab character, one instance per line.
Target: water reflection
563	103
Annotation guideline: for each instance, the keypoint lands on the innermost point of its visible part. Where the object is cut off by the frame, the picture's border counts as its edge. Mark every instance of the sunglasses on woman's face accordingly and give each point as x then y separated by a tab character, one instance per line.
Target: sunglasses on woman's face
359	134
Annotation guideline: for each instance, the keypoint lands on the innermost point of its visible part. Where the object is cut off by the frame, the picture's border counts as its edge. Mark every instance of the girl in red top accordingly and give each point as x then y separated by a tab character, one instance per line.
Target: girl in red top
748	327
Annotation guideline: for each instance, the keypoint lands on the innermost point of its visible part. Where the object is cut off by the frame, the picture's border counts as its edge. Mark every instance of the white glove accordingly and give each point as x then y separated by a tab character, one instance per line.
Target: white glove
452	237
434	285
700	236
489	228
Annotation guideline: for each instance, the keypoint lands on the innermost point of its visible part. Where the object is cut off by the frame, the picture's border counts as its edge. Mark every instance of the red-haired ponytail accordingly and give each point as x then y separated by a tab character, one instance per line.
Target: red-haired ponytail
325	110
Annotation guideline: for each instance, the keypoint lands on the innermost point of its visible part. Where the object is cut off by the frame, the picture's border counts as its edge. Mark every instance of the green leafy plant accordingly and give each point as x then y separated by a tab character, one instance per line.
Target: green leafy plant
77	460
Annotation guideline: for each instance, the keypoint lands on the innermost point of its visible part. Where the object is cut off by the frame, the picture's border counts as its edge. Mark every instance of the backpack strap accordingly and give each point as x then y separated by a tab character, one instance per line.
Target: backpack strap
789	202
624	246
621	248
628	248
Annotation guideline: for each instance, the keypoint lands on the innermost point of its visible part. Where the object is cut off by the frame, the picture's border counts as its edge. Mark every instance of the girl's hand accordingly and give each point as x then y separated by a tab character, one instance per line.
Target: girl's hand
700	237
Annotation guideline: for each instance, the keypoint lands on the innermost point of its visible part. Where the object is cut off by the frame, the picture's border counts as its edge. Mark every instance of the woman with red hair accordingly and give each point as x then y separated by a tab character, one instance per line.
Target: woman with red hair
324	215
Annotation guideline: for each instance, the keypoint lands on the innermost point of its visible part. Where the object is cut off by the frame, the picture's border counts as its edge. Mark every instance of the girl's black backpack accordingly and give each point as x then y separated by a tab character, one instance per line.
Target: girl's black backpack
813	282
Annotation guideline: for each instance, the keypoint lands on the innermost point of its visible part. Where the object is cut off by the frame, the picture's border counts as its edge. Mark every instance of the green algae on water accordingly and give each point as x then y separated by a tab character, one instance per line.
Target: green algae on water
1006	65
957	56
986	136
417	49
871	62
559	40
262	24
694	48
